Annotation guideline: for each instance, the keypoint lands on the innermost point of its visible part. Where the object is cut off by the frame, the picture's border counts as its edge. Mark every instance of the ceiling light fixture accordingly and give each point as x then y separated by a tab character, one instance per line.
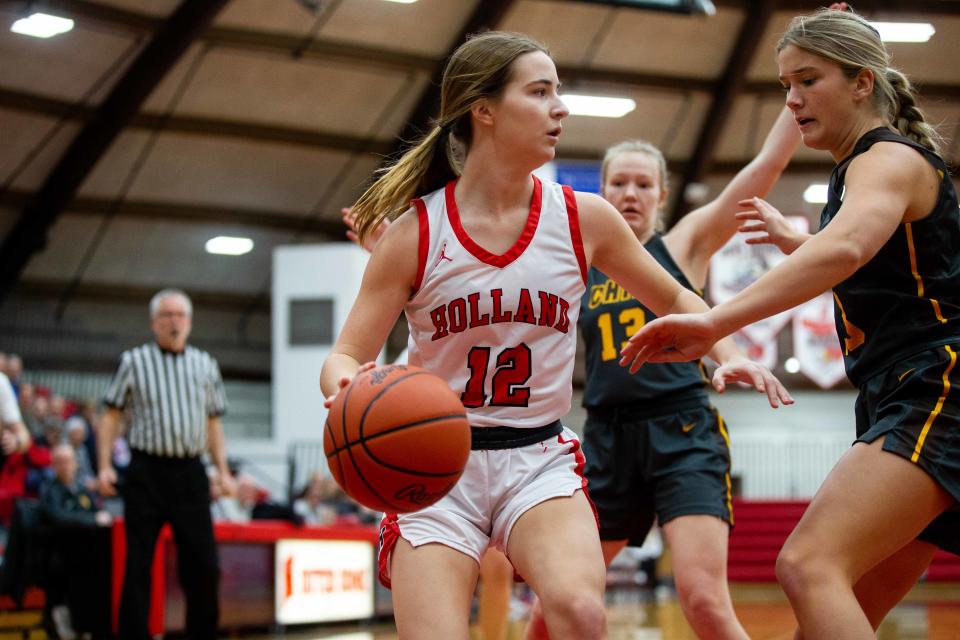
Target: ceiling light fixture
598	106
42	25
692	7
229	245
402	1
904	31
816	193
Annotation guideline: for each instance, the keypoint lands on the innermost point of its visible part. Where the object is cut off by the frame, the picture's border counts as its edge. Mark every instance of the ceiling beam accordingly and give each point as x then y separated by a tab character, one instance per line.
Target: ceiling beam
486	16
123	294
217	127
291	45
571	76
154	211
169	42
756	16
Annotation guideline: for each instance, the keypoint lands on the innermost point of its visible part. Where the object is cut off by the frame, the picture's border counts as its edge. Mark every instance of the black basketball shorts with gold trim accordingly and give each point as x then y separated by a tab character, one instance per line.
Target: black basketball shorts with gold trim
662	461
916	405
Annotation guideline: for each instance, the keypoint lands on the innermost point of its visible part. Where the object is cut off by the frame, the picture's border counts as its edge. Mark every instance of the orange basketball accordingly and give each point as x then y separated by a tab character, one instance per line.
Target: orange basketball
397	438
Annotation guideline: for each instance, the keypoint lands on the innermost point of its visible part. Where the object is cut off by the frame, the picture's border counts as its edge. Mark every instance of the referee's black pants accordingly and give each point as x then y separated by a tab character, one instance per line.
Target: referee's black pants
174	490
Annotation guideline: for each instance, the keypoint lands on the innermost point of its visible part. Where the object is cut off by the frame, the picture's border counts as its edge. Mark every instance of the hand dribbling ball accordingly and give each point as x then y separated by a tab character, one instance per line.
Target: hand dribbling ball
396	438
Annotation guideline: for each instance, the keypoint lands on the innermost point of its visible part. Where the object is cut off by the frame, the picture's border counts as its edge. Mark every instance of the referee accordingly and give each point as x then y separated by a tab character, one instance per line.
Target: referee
174	396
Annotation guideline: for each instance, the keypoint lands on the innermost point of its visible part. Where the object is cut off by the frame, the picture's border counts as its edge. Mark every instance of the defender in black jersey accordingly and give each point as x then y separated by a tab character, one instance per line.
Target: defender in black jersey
888	246
655	449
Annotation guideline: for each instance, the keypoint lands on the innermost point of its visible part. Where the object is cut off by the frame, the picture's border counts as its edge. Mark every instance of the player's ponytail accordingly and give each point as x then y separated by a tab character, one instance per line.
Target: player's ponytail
906	116
479	68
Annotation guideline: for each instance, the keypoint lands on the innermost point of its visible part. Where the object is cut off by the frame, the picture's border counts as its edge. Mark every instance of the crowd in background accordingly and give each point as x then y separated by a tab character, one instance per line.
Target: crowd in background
48	479
54	420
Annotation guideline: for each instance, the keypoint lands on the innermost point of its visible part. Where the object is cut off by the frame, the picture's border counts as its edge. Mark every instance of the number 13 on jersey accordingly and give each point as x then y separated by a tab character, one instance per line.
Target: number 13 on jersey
630	319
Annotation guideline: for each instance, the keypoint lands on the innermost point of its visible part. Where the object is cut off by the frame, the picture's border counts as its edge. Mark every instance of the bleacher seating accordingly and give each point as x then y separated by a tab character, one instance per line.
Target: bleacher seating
763	526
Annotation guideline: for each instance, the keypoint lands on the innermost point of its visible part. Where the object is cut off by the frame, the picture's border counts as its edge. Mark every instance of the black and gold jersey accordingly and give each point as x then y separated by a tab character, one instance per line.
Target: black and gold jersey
609	315
907	297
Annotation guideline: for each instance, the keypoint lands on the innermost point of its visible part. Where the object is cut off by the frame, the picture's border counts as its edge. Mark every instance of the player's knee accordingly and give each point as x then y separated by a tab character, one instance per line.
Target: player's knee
702	599
582	612
799	568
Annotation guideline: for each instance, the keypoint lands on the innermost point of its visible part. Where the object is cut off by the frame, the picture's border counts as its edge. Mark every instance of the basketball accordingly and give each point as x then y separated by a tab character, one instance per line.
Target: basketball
397	438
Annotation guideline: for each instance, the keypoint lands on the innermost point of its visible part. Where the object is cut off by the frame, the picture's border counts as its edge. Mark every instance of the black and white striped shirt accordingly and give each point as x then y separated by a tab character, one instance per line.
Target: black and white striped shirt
169	396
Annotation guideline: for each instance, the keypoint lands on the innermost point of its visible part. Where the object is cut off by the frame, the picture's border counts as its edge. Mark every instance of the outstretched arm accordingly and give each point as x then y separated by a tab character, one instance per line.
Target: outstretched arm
615	250
881	185
702	232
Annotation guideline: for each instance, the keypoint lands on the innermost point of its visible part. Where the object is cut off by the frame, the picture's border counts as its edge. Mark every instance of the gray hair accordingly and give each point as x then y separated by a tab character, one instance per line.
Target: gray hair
166	293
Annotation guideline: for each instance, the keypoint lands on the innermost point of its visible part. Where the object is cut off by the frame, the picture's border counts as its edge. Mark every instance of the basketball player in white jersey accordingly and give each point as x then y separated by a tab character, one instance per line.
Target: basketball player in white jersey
489	269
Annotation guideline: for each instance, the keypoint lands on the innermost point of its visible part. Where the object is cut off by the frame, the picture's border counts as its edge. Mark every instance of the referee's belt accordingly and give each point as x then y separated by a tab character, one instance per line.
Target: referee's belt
484	438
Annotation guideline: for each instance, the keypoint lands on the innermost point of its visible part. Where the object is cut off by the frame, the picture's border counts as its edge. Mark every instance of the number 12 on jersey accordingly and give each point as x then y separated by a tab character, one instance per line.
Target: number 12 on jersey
512	369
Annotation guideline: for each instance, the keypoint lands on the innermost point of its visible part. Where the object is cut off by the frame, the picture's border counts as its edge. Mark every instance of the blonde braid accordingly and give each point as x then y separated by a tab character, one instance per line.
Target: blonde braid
906	117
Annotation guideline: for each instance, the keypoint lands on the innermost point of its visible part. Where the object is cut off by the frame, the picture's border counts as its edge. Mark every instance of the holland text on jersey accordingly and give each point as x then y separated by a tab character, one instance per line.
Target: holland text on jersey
465	313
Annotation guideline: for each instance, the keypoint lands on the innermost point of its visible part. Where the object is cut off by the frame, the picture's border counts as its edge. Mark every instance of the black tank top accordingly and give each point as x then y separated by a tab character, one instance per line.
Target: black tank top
906	299
608	316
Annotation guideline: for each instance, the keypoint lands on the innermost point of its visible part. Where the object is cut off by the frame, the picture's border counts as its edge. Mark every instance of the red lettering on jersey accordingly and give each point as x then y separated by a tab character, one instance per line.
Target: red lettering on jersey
457	310
525	309
548	309
439	318
461	314
563	323
498	315
477	320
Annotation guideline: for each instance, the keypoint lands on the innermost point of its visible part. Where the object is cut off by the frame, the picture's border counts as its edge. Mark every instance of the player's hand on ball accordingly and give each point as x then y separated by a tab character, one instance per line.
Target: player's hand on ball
346	380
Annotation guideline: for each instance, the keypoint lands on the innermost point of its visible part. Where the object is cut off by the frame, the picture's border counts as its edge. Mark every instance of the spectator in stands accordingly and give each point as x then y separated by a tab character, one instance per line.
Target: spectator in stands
17	452
51	433
77	587
86	410
324	502
58	406
28	393
36	414
252	502
3	362
223	507
76	436
317	505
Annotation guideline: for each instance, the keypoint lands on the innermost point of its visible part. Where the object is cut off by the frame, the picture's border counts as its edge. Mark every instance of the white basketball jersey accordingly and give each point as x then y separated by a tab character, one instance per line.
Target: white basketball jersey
501	329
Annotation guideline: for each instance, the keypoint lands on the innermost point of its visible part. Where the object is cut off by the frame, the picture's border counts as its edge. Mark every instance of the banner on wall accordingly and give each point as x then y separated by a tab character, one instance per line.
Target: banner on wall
738	265
815	342
764	352
323	581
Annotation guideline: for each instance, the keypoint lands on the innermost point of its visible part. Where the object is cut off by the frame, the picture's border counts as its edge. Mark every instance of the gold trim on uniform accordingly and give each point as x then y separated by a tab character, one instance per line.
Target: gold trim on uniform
855	336
936	410
916	274
726	474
